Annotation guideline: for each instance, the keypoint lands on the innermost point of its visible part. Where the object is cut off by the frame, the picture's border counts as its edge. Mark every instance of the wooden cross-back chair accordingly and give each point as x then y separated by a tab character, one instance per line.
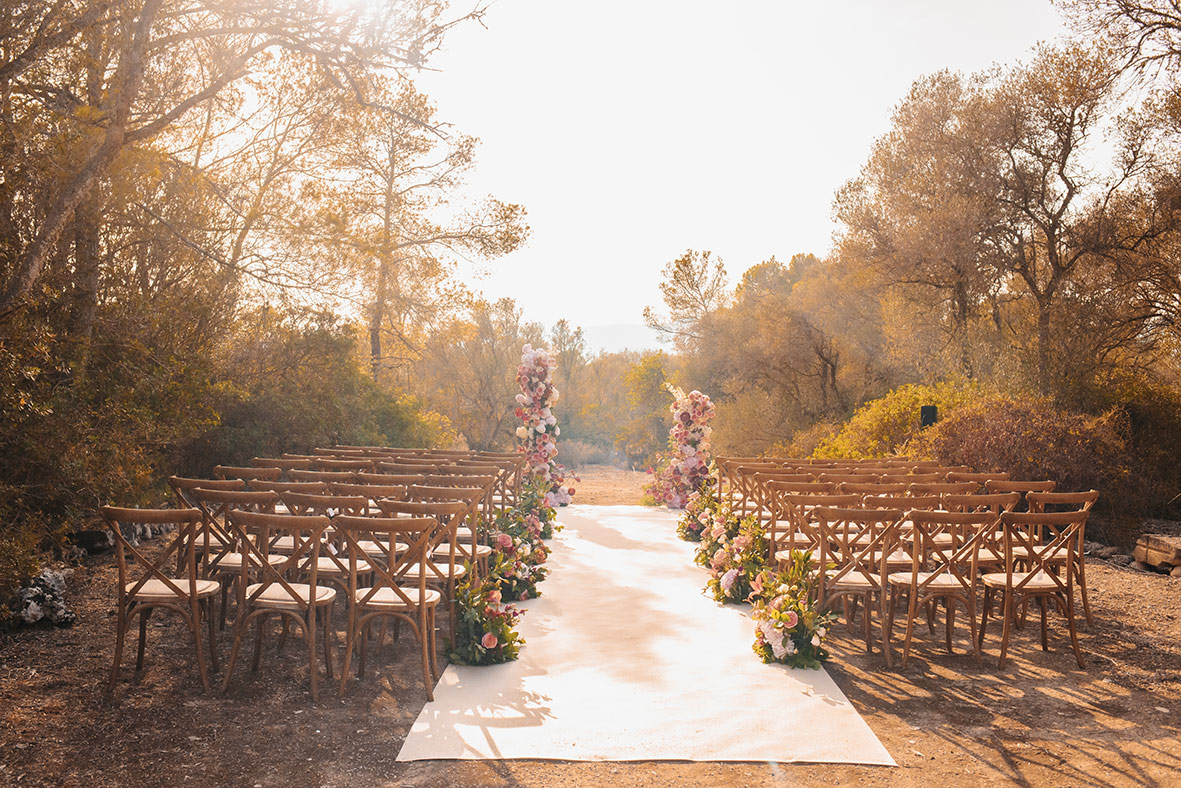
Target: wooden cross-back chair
307	604
850	478
465	538
943	549
370	491
1043	545
212	534
144	587
1070	501
225	562
397	589
861	546
874	488
440	566
795	511
246	473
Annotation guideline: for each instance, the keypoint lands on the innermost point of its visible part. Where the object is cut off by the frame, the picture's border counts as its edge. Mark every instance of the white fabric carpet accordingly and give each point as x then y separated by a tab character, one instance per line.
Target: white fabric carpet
626	659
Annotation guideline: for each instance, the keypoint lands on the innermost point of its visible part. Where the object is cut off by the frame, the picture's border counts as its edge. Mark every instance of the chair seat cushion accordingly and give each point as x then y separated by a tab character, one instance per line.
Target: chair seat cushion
327	566
155	590
276	596
411	574
854	580
461	550
1041	581
232	562
941	580
386	598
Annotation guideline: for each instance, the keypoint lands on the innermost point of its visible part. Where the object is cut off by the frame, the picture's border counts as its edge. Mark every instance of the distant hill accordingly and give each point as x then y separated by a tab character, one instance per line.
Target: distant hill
620	336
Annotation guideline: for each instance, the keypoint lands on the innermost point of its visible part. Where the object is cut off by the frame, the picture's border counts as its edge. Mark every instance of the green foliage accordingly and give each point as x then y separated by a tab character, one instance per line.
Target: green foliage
702	512
645	431
736	561
883	426
482	618
789	626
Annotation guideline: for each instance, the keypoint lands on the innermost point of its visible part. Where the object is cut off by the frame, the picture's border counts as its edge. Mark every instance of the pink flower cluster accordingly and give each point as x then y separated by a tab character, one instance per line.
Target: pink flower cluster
686	465
539	429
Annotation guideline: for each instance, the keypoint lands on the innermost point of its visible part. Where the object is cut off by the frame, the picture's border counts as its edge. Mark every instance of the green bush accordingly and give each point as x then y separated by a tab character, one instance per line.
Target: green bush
883	426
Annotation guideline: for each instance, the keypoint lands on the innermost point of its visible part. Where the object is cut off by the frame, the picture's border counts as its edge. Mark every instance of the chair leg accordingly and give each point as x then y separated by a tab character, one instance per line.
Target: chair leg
1070	625
328	668
143	636
259	632
912	610
434	643
313	670
1008	610
1041	603
987	606
239	628
194	622
364	650
971	605
949	623
426	669
211	620
120	635
349	642
1082	584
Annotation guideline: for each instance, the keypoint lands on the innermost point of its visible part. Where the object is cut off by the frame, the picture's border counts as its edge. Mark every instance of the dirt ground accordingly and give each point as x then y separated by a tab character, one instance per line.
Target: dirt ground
947	721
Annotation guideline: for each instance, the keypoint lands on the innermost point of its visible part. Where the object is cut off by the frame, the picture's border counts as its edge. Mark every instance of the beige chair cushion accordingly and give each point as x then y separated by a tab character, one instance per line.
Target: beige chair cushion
156	589
942	580
412	573
443	552
232	562
326	566
386	598
276	596
1040	582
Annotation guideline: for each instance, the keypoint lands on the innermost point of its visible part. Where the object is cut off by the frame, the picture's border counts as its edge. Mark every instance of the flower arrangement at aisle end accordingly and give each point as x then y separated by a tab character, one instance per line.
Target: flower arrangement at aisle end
484	625
722	529
539	428
703	512
789	627
519	554
737	562
685	466
533	508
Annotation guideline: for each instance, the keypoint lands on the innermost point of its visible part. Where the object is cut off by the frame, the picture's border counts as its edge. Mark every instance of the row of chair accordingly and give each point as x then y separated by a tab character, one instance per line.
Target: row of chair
288	549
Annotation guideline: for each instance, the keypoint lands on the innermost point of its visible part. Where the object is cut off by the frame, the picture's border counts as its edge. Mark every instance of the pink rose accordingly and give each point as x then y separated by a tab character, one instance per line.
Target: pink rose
489	640
791	619
494	597
504	541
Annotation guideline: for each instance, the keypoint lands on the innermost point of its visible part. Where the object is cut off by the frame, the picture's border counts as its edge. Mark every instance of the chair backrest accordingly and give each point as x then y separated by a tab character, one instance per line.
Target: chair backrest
256	532
327	505
321	476
851	478
923	478
182	545
400	479
355	465
874	488
448	514
182	487
979	477
1008	485
988	502
795	509
404	468
370	491
281	463
944	488
313	488
247	472
802	488
904	502
1079	501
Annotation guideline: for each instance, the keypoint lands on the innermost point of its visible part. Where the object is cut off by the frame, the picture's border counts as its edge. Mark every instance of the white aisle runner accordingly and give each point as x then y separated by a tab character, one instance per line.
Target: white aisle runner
626	659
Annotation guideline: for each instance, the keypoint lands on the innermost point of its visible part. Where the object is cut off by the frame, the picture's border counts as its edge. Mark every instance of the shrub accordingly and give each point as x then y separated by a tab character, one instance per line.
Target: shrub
576	454
881	427
1031	438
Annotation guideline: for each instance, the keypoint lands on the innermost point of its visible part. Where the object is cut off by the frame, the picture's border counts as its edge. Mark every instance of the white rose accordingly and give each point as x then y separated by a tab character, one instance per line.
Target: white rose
816	640
523	433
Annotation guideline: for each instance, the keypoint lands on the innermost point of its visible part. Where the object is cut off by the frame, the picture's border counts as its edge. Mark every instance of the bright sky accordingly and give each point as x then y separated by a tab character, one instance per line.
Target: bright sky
632	130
